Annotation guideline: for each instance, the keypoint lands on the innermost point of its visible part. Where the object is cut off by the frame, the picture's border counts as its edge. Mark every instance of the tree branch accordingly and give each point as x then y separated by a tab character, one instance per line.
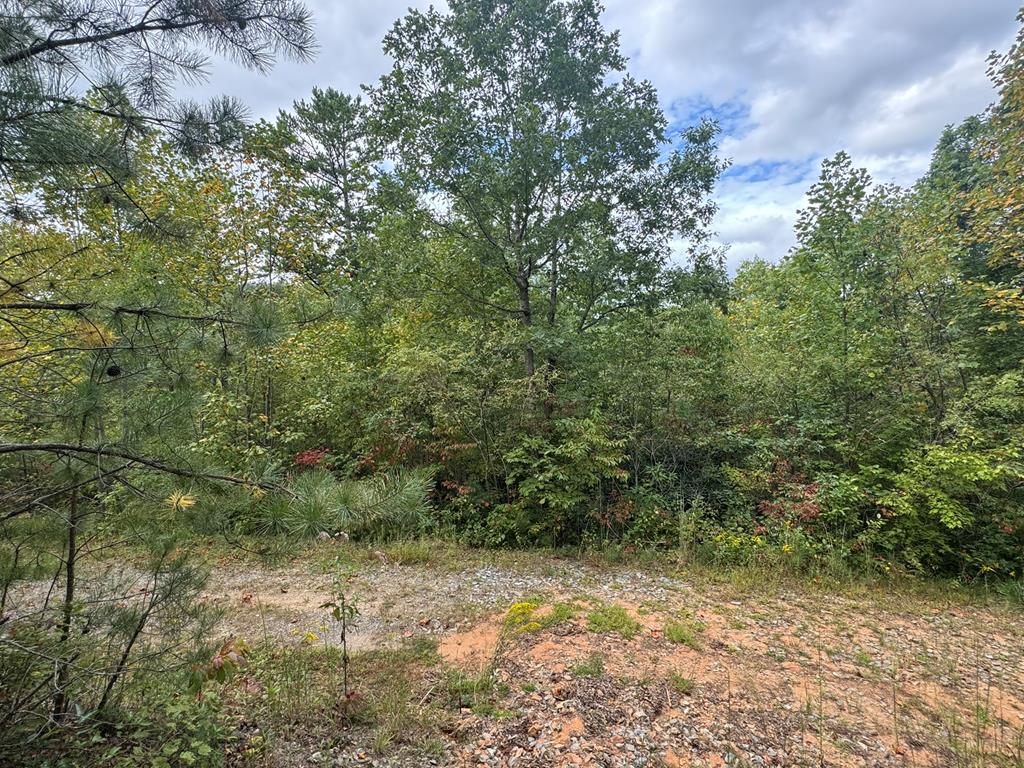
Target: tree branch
67	449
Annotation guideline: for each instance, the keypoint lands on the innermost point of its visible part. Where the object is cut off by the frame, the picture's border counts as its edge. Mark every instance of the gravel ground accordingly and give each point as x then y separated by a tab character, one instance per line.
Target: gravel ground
776	677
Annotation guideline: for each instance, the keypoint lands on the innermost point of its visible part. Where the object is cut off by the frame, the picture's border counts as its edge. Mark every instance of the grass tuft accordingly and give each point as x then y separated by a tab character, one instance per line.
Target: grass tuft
685	632
592	666
613	618
680	684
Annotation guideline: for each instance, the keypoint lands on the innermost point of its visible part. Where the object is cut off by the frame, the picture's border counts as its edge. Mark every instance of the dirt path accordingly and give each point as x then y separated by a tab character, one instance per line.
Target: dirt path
587	665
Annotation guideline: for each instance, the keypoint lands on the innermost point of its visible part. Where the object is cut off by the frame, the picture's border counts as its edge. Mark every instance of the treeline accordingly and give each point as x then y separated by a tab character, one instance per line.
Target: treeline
505	313
482	301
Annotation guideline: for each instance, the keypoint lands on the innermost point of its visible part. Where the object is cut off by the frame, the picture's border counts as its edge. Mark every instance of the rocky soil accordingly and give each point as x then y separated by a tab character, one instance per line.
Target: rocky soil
687	673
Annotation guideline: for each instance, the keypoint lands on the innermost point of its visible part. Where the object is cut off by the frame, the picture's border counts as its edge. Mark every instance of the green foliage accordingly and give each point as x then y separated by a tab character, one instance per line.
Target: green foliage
556	480
164	729
871	348
486	336
646	515
51	126
390	505
327	156
495	104
316	504
381	507
959	501
613	618
1012	592
113	667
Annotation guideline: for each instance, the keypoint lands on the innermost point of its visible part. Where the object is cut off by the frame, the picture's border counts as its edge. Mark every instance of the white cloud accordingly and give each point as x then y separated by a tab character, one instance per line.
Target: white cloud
879	78
755	219
875	77
349	34
908	113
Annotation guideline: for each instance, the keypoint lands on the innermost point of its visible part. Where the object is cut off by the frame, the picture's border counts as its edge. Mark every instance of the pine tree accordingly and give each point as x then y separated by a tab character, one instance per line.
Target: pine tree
101	343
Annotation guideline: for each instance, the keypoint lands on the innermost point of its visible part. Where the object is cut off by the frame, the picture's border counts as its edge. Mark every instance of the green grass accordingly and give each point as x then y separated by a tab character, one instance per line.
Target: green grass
863	659
436	554
560	612
490	708
303	695
461	686
1012	592
685	632
613	618
592	666
680	684
477	693
474	692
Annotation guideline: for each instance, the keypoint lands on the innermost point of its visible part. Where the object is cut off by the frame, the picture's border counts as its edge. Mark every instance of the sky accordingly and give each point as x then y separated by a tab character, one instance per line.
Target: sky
790	81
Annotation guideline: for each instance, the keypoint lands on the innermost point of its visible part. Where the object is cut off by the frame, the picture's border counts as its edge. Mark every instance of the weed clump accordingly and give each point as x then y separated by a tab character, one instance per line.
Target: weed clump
524	616
680	684
685	632
613	618
592	666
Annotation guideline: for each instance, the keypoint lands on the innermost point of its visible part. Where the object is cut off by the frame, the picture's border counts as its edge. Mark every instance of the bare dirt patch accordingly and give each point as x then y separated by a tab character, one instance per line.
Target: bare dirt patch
473	650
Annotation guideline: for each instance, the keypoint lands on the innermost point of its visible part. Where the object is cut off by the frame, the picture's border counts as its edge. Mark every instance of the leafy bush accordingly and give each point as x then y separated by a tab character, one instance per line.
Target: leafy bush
958	503
166	727
555	479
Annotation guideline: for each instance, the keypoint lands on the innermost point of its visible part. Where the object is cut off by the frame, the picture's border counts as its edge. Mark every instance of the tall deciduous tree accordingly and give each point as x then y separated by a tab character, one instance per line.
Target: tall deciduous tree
998	202
549	167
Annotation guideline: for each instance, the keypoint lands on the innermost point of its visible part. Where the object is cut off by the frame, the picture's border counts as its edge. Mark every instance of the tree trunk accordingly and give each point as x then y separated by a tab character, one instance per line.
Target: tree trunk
60	696
551	363
526	312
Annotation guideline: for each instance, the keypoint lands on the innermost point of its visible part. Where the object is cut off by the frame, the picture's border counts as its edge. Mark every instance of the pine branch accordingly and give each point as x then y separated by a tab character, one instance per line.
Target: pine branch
67	449
52	44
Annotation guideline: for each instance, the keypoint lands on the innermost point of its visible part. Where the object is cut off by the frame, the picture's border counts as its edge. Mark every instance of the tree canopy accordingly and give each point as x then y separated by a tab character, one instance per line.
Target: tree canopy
479	300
